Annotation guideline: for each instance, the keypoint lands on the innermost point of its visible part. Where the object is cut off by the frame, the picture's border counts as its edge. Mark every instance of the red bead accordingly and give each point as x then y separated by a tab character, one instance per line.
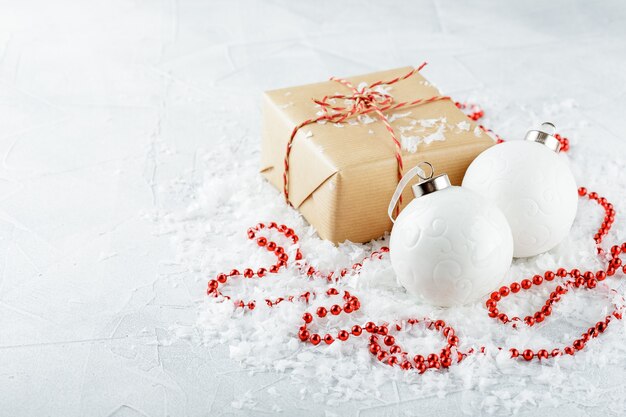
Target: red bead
382	330
343	335
271	246
347	307
213	284
493	313
273	269
529	320
406	365
539	317
528	354
357	330
593	195
374	348
592	283
307	317
395	349
542	354
555	353
446	362
221	278
546	310
601	326
321	311
575	273
335	310
370	327
569	350
261	272
514	352
537	279
579	344
600	275
303	335
328	339
549	275
248	273
504	291
582	191
491	304
389	340
261	241
432	358
440	324
495	296
315	339
561	272
526	284
503	318
382	355
418	359
453	340
421	367
515	287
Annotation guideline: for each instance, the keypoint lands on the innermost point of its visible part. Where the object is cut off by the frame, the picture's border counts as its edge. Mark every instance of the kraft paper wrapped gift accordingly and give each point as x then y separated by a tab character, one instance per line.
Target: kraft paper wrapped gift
342	175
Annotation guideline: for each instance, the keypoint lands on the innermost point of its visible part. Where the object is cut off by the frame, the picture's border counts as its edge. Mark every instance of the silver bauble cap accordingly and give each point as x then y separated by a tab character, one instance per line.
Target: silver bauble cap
545	136
431	185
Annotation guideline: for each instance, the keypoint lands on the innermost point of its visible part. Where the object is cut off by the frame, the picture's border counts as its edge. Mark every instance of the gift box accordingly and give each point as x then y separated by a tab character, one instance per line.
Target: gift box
335	149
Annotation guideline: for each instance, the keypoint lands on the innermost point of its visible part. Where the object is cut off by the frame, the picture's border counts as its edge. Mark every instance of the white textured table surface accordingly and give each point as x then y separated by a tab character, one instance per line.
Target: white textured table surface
107	110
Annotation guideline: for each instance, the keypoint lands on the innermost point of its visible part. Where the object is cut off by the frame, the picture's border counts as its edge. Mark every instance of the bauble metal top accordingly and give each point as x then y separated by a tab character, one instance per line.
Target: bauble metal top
545	136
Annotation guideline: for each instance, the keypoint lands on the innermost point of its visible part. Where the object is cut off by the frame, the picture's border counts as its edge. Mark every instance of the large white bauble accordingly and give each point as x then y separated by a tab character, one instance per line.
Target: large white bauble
534	188
450	247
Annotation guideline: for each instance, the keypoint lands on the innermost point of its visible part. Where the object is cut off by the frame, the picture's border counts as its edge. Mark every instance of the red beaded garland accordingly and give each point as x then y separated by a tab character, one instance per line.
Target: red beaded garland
578	279
395	354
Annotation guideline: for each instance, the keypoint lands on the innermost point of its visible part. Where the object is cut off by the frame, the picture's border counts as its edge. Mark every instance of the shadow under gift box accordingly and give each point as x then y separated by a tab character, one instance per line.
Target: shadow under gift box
342	176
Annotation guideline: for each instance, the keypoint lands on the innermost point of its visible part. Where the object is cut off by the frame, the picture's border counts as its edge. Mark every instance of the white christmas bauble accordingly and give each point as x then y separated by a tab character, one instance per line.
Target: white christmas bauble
450	247
534	188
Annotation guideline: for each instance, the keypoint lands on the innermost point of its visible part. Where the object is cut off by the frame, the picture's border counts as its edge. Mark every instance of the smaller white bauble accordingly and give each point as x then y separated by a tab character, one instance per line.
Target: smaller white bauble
450	247
534	188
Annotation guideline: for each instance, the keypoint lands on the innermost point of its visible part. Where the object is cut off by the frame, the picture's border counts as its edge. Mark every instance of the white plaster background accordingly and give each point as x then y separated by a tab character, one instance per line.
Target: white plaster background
107	108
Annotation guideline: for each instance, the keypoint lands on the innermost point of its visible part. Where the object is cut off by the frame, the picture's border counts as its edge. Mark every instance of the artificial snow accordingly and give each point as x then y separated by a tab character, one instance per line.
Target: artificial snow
209	237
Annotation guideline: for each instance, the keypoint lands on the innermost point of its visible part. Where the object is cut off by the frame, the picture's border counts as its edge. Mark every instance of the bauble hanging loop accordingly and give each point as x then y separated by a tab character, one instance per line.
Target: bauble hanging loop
449	246
533	186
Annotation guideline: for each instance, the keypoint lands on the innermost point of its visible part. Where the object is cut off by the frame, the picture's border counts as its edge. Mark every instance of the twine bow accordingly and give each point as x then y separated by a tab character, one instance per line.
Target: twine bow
362	100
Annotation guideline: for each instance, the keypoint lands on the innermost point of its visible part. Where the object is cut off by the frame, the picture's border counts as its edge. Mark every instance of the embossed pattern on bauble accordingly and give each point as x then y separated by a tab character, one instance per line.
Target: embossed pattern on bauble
450	247
534	188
